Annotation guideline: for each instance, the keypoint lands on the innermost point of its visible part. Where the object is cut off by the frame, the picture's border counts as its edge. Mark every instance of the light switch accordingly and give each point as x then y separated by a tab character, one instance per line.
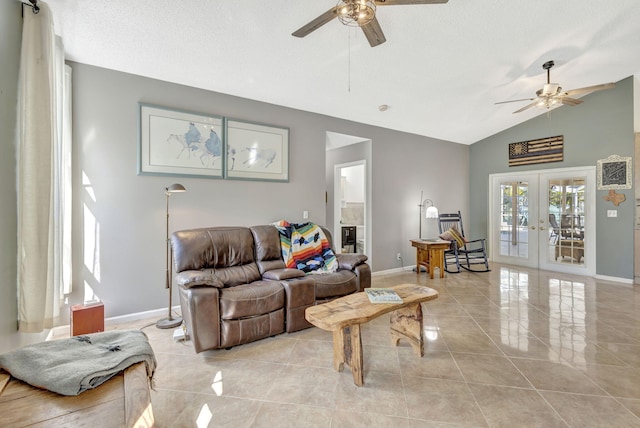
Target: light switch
305	215
612	213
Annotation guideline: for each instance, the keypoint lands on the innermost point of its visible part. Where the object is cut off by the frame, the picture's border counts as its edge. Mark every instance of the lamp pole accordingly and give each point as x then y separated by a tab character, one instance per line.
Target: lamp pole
170	321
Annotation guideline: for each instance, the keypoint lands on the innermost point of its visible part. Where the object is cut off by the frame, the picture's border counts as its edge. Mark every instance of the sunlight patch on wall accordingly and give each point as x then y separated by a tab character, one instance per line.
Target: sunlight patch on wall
86	184
91	241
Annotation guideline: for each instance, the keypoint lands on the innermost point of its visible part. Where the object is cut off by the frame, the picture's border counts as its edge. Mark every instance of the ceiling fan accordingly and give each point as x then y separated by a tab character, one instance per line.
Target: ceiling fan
358	13
551	94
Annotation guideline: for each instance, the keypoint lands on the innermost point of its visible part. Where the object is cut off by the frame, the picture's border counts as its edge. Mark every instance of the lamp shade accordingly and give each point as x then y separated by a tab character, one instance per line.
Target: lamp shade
175	188
432	212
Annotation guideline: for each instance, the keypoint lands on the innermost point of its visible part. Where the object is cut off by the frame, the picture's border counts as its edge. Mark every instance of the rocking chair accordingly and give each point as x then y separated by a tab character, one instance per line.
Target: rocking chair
462	253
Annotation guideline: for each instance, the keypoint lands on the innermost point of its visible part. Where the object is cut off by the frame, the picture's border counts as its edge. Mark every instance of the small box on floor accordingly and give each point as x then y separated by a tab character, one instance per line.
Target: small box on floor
87	318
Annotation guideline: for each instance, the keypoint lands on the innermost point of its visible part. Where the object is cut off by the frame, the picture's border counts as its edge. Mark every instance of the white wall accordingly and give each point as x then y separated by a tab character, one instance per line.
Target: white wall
354	183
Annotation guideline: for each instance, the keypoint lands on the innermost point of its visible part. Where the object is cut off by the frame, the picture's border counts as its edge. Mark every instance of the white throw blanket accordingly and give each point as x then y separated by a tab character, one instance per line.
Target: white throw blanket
71	366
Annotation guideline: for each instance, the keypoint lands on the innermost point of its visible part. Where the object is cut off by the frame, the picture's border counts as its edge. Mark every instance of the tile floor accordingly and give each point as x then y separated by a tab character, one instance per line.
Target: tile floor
514	347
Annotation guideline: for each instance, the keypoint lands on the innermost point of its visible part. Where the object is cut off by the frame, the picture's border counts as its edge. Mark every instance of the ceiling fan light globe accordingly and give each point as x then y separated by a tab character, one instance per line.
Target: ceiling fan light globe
356	13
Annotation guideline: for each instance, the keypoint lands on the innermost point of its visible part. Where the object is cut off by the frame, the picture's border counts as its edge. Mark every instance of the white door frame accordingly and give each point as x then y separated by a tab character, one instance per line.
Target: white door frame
540	218
337	226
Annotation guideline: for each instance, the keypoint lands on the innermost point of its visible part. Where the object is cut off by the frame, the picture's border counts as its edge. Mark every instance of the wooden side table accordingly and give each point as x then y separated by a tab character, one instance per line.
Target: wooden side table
430	254
87	318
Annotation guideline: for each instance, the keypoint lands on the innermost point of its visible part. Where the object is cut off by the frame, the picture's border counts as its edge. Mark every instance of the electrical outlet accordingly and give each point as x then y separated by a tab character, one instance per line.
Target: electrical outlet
398	256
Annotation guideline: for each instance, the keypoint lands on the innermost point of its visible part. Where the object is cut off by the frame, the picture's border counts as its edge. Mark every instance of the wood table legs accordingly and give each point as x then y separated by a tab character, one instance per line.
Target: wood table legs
347	349
406	323
430	254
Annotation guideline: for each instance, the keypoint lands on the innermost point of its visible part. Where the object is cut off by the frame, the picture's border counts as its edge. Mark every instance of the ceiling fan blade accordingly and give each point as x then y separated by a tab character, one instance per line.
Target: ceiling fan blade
397	2
316	23
588	89
514	101
570	101
528	106
374	33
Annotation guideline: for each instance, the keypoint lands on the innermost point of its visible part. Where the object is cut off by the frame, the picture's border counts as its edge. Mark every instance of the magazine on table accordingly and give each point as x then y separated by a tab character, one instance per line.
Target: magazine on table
382	295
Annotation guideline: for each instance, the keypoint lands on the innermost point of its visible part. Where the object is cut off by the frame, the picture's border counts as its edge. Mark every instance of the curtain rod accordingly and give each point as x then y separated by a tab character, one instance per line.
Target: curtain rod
33	4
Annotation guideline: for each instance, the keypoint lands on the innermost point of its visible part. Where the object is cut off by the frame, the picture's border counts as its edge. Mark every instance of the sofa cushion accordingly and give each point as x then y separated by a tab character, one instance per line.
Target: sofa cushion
194	278
224	277
333	284
248	300
267	242
213	247
283	274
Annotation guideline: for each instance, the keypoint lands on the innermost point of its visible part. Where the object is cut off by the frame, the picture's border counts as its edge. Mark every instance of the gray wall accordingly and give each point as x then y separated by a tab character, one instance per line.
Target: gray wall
10	39
401	169
129	208
596	129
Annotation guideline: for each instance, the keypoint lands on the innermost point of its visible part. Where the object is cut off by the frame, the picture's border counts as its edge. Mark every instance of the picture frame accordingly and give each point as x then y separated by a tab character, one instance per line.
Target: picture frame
256	151
180	142
614	173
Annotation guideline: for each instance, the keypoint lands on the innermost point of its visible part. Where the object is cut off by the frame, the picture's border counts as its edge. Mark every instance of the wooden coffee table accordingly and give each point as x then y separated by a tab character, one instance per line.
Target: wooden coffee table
344	316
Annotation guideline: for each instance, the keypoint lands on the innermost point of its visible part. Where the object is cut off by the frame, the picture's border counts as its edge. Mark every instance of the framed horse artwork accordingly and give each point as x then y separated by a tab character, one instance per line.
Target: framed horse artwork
179	142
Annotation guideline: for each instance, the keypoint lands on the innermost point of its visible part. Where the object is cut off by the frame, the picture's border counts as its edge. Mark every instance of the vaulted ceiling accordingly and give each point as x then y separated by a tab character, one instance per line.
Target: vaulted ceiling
440	71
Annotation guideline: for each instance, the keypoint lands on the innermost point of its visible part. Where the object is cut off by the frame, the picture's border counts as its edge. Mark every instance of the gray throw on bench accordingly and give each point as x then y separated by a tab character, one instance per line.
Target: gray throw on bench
71	366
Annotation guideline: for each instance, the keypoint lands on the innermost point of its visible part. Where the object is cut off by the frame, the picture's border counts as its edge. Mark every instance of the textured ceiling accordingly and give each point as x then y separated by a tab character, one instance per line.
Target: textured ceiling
440	71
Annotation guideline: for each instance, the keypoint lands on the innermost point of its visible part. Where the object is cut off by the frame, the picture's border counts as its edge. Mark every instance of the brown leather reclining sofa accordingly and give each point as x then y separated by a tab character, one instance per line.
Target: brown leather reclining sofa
234	287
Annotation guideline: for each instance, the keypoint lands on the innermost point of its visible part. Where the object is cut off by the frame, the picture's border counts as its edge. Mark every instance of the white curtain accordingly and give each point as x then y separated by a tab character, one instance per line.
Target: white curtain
43	174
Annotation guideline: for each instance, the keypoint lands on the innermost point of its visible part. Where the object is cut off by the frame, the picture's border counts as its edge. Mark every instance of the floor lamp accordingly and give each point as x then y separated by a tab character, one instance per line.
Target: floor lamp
170	321
431	212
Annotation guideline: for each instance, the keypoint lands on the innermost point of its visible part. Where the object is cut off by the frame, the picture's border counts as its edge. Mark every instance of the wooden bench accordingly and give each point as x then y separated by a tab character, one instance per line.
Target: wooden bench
344	316
122	401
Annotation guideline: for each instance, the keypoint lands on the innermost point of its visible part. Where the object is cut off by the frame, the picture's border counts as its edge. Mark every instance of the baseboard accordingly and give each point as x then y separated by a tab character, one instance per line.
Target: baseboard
614	279
63	330
394	270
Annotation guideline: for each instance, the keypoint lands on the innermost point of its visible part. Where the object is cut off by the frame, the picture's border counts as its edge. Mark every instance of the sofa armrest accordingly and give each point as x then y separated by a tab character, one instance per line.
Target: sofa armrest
194	278
283	274
349	261
300	294
363	275
200	311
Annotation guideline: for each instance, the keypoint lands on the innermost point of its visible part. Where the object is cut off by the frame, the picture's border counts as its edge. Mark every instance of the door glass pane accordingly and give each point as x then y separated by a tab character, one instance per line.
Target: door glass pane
514	215
567	220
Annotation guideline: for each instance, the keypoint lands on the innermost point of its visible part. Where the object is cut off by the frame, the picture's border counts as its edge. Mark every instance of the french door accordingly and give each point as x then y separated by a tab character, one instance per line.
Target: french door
544	219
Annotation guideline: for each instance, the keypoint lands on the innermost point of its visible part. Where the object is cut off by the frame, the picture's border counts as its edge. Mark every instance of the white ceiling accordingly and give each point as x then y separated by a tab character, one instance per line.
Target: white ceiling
440	71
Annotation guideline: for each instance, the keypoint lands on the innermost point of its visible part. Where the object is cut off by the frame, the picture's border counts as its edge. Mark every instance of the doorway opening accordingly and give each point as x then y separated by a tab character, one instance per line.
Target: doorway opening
348	168
349	207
